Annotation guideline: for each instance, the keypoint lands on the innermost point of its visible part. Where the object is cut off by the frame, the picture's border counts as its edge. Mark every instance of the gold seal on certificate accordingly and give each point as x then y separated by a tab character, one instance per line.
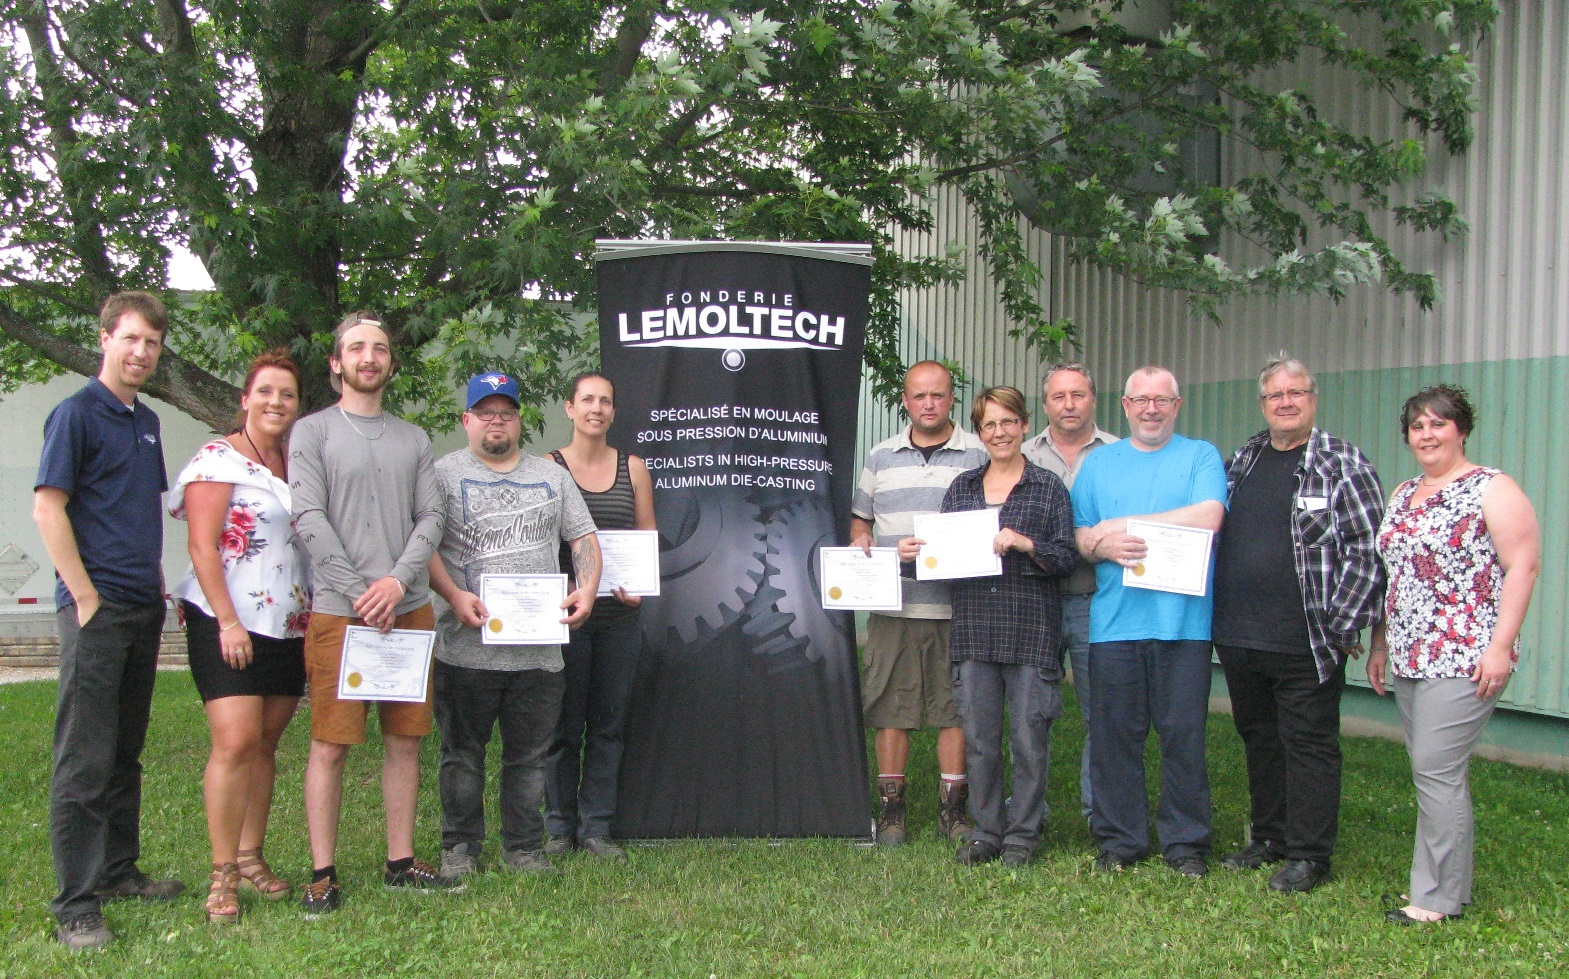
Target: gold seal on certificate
1177	560
958	545
855	581
525	609
385	666
630	561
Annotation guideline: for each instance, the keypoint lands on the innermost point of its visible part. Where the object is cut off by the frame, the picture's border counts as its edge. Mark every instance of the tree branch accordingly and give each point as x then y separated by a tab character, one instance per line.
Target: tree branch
636	26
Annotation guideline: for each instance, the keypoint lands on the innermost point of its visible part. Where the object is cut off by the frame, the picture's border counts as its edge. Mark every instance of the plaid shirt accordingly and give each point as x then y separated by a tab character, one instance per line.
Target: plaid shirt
1336	511
1015	617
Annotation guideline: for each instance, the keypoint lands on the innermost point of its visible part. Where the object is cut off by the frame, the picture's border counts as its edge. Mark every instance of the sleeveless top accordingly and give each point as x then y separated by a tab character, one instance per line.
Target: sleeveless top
614	509
1444	579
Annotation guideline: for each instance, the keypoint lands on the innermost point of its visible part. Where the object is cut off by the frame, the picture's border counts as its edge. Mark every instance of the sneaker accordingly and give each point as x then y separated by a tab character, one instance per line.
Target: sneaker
1299	876
84	932
421	878
604	848
529	862
459	861
139	885
977	852
1017	855
1108	862
320	897
1255	855
1190	865
559	846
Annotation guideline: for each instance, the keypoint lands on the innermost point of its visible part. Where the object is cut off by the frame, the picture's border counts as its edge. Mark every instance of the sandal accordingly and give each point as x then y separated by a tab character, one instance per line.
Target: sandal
261	879
223	897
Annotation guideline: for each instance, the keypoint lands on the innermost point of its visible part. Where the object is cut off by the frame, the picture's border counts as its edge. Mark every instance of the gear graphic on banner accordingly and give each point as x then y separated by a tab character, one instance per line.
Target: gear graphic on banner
795	536
711	546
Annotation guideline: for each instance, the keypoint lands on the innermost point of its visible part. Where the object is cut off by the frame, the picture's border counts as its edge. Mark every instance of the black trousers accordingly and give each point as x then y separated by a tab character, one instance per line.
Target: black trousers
1290	728
107	672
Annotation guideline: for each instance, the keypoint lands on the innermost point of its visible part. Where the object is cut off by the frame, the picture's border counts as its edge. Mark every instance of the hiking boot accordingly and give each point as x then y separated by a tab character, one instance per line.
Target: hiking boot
421	878
890	820
84	932
1255	855
559	846
459	861
528	862
138	885
320	897
604	848
953	811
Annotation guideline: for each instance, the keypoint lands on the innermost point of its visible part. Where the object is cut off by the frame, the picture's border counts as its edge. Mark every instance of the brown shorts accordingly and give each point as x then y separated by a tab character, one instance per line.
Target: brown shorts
906	682
343	721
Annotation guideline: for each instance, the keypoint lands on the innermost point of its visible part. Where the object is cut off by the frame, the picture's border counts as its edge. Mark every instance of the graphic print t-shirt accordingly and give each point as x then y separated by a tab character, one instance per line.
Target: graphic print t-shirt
502	523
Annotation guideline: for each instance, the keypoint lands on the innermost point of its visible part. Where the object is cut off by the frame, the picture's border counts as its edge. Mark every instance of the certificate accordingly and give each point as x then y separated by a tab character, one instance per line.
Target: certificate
630	560
1178	558
849	579
385	666
525	609
958	545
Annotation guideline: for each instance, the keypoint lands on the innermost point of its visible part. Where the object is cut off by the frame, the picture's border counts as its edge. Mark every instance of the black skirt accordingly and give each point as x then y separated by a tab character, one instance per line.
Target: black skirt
277	665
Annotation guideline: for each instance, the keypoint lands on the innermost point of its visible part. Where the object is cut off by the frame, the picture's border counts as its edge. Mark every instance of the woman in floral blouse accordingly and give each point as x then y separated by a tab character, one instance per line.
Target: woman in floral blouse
1461	547
245	602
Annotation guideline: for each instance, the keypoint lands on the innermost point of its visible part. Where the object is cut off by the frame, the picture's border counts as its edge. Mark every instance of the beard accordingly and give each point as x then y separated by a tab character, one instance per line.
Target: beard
498	446
353	380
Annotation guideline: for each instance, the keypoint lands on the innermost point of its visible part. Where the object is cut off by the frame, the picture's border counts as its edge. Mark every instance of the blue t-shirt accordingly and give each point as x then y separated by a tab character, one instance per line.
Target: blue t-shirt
108	458
1119	480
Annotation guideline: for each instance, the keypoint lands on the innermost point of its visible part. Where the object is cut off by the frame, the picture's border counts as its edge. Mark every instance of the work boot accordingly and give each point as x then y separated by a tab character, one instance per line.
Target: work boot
890	821
953	811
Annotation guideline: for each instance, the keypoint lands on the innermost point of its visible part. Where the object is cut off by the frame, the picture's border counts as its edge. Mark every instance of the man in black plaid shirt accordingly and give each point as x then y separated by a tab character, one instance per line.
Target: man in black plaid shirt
1296	580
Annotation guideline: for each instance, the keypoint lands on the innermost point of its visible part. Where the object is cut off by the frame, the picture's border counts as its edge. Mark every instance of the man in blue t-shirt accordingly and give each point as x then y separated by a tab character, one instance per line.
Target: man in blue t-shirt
1149	649
97	503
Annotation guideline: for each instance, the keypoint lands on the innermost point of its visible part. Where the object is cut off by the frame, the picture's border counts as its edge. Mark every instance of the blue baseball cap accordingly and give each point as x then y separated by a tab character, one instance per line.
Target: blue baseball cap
482	386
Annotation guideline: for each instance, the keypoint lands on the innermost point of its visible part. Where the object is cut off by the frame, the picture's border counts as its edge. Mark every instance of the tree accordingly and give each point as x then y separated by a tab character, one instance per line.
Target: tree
449	164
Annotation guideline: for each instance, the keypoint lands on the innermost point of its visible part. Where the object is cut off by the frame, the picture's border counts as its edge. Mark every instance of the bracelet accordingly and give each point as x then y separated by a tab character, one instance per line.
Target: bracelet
226	628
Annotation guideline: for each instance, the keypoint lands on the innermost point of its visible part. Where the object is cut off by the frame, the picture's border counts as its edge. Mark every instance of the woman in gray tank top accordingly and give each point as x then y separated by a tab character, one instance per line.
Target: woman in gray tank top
584	763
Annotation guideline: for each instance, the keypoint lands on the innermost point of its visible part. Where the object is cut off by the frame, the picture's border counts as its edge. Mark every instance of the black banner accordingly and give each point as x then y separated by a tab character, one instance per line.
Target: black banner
737	370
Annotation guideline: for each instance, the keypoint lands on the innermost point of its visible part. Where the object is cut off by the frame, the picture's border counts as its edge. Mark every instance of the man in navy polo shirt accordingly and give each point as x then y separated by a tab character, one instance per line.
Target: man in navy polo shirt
97	506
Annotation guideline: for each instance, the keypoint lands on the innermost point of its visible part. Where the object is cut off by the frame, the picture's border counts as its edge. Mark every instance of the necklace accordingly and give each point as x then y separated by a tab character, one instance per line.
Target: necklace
368	438
245	430
1443	480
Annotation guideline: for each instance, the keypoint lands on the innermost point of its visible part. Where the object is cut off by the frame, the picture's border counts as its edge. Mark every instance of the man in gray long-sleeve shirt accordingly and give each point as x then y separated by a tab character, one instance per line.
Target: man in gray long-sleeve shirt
368	508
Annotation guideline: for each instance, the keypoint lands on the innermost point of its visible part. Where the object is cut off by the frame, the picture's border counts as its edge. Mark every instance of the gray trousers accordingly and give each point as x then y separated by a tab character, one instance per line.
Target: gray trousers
981	691
1076	636
1442	720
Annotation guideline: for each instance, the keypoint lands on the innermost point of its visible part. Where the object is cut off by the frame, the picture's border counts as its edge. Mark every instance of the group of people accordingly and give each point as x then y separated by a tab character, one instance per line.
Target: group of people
303	527
300	528
1308	555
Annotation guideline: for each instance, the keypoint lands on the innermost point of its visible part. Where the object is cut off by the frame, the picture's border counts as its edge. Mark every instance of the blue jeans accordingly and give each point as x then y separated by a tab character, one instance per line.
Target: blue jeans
469	703
981	691
1076	637
1133	685
584	764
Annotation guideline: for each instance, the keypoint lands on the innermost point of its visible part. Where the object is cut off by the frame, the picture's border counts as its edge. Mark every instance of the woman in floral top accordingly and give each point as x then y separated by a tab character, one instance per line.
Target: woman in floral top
1461	548
245	602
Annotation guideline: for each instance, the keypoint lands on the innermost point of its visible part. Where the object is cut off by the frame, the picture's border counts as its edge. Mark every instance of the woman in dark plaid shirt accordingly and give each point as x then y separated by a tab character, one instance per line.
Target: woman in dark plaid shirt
1006	631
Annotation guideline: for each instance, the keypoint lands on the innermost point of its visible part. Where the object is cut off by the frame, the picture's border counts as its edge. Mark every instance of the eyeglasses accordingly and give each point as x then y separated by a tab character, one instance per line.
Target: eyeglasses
1290	394
1000	424
485	415
1142	402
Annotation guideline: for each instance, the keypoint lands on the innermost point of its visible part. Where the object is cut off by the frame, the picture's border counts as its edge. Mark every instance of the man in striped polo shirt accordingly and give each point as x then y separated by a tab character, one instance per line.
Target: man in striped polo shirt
906	680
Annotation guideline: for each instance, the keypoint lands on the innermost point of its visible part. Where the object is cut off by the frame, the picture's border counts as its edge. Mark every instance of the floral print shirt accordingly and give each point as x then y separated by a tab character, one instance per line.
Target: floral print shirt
264	562
1444	579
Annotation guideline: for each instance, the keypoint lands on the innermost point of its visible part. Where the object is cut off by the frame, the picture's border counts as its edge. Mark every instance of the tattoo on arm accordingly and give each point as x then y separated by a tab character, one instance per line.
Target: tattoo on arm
585	557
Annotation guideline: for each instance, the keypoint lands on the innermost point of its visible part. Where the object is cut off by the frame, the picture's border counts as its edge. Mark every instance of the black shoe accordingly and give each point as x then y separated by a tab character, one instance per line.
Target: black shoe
84	932
140	886
977	852
559	846
1109	863
604	848
1398	916
1255	855
1017	855
1191	865
421	878
320	897
1300	876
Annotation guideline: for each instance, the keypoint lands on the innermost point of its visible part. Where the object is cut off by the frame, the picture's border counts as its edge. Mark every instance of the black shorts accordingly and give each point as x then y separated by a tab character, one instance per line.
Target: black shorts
277	665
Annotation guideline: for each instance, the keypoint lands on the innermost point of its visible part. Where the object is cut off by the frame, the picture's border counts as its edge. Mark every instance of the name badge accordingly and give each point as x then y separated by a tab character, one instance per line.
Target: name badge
1312	503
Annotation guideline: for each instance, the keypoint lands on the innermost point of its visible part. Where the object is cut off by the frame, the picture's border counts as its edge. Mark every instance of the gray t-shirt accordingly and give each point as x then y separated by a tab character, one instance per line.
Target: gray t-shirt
502	523
366	506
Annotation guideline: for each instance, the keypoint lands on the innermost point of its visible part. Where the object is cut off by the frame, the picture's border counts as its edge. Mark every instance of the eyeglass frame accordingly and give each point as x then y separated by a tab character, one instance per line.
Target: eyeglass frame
1161	401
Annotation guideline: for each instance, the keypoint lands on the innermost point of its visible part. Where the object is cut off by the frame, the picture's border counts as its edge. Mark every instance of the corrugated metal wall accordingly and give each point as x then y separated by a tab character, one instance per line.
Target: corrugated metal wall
1501	329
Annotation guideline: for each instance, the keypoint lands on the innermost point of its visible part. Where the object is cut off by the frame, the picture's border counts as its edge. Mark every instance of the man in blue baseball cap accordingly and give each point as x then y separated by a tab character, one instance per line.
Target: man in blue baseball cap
507	512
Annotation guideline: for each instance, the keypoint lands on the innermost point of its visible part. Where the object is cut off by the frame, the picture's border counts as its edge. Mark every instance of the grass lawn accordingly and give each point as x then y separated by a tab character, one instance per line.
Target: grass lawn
807	908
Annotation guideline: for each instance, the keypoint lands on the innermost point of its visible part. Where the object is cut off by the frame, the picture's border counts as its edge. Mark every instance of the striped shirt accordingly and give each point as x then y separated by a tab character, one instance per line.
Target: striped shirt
897	482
